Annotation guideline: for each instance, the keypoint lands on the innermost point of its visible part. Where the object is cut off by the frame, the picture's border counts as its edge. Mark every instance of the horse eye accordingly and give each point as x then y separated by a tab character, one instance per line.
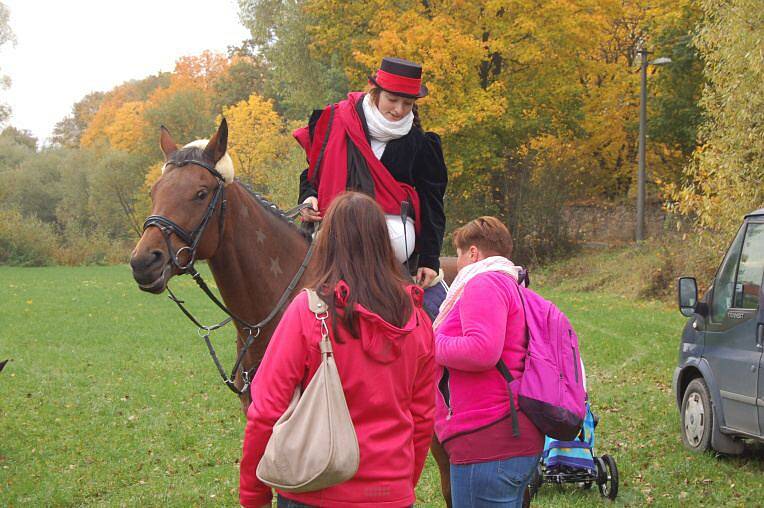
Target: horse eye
201	194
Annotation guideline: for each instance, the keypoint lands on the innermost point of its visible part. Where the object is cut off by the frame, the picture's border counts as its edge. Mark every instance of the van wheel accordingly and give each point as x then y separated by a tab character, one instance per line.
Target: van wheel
697	416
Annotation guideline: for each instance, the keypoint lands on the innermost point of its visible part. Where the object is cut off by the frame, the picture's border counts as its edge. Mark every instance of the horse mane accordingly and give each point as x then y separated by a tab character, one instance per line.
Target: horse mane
274	209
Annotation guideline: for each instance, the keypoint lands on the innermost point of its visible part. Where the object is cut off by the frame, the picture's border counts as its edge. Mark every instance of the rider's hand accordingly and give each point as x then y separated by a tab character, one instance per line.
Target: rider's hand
311	214
425	276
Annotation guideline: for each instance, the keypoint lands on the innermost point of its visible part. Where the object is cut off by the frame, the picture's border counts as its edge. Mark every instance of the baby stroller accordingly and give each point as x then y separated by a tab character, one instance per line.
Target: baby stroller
575	462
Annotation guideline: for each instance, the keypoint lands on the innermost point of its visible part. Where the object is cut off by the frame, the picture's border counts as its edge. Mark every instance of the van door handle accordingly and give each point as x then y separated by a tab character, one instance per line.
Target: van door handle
760	335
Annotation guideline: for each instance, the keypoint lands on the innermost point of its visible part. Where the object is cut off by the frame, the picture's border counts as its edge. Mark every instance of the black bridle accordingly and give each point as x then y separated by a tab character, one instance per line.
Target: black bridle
168	227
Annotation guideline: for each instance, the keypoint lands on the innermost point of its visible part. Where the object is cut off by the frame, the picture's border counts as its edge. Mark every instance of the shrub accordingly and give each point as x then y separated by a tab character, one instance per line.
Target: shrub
91	248
25	241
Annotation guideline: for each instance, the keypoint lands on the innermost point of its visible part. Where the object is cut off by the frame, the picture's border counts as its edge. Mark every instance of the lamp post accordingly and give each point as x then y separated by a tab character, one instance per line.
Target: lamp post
642	132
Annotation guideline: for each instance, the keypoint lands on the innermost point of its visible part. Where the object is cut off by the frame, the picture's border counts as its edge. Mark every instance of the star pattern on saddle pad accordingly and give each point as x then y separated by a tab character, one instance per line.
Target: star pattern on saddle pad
275	268
260	237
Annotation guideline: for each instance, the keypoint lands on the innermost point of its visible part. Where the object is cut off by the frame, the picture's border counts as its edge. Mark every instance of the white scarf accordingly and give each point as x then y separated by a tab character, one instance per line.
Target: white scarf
489	264
381	129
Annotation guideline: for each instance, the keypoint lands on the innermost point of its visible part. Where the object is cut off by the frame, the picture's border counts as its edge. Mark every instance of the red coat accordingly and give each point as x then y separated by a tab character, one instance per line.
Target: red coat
332	175
388	376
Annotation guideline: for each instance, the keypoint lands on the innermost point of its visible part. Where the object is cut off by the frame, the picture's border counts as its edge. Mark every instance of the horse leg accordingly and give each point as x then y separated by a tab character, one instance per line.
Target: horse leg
441	458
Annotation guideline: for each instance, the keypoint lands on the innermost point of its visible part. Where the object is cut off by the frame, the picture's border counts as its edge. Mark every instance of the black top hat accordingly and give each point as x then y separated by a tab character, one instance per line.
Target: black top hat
401	77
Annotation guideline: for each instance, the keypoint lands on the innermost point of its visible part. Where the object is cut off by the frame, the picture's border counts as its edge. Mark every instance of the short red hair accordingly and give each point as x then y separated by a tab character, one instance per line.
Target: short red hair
486	233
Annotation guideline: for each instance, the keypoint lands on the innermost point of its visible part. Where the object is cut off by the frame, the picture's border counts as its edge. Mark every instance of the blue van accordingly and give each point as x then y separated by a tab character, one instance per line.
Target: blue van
719	383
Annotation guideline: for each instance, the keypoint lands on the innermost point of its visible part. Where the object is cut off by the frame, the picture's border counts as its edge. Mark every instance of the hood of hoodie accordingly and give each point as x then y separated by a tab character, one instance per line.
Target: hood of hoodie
382	340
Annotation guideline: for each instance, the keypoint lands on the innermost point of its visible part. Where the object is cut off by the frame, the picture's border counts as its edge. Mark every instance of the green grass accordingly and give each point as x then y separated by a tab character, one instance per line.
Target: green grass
111	399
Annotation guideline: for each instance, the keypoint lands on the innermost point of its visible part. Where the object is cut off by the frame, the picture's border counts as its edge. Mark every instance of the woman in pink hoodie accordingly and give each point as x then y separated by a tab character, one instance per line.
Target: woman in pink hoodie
383	347
482	321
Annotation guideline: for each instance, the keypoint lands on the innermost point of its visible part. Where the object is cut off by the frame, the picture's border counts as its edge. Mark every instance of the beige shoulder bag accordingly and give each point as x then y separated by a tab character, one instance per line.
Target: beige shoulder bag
314	444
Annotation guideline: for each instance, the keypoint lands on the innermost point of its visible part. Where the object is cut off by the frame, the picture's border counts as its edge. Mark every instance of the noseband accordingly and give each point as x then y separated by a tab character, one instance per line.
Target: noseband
168	227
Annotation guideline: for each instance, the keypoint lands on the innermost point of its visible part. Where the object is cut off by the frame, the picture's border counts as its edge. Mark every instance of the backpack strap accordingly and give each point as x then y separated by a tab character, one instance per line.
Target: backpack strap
513	411
502	367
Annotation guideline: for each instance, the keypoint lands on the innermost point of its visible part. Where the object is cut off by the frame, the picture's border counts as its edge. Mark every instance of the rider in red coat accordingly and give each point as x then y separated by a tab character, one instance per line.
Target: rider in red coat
373	143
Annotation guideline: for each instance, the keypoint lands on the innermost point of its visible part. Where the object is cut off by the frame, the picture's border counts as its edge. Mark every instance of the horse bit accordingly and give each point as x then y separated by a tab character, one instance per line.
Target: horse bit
168	227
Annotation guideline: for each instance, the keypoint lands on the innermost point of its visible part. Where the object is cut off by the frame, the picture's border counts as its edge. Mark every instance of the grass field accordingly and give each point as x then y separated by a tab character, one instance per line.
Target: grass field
111	399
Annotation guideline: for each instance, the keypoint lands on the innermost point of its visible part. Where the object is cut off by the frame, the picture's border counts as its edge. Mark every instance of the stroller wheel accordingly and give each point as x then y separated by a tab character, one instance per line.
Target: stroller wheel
607	480
536	480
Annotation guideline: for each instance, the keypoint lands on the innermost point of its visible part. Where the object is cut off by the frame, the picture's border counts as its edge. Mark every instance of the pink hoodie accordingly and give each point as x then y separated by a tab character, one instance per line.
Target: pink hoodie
487	323
388	377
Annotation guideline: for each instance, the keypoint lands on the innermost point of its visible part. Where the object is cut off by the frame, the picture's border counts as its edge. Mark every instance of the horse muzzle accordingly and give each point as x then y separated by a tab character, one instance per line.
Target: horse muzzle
151	270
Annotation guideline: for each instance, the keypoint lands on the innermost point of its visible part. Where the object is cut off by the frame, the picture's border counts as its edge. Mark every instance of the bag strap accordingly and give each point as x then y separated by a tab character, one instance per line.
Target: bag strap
315	303
320	309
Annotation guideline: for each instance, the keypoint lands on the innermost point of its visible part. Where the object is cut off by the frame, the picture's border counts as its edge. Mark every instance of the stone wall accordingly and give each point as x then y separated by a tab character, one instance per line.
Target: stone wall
611	224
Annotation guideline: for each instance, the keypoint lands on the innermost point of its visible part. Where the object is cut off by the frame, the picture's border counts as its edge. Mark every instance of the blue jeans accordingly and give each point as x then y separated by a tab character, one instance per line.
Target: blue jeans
500	483
288	503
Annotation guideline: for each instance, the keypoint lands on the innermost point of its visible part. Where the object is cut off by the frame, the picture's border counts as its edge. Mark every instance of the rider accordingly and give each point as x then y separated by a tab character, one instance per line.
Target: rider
373	143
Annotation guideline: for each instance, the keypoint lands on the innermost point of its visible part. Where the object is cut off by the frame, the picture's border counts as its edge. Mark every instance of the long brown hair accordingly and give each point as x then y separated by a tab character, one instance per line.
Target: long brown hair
353	246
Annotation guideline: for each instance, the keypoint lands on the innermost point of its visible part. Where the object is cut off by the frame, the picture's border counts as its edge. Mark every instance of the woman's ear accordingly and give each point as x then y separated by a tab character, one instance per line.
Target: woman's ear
475	254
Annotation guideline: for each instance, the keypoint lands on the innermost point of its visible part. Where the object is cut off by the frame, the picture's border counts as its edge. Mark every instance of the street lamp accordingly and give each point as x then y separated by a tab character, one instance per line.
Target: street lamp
642	129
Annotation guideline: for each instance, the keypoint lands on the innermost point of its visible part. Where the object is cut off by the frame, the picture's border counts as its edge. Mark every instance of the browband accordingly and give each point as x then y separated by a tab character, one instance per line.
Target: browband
203	164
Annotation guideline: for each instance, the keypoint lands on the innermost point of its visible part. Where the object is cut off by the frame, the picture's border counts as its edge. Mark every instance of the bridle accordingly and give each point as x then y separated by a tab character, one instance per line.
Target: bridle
168	227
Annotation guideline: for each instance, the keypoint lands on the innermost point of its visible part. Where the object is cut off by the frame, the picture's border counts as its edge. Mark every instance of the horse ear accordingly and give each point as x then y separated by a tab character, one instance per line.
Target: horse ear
218	145
166	143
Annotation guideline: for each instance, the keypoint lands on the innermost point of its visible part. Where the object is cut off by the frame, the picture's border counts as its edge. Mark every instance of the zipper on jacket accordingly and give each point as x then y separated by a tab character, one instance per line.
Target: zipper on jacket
575	359
559	351
444	387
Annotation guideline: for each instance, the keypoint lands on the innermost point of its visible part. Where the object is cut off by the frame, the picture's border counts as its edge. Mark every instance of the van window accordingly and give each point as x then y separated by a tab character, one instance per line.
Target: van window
724	284
751	268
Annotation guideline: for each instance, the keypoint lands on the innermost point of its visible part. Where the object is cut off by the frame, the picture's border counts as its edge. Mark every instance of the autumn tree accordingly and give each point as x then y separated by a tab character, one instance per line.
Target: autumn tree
6	36
68	131
260	146
300	78
246	75
95	134
20	136
724	179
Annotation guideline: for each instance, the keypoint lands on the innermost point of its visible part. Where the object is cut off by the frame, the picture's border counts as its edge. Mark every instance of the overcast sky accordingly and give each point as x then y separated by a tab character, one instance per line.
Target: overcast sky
68	48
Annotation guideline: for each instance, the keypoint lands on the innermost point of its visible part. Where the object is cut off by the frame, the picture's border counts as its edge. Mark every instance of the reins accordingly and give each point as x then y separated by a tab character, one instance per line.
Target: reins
168	227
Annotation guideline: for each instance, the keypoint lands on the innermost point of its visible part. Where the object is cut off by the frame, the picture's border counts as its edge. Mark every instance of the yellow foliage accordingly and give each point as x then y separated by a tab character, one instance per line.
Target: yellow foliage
257	139
201	70
127	127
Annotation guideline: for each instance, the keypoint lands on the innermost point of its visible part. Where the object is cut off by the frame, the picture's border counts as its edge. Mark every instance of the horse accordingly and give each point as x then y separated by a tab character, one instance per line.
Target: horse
252	249
253	252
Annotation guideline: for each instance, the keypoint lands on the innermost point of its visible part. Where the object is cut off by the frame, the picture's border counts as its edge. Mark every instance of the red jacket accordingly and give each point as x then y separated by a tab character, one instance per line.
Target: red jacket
388	376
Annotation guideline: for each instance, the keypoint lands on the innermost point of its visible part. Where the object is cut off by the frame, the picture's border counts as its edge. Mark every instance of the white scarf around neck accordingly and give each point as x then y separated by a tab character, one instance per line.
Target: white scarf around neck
466	274
382	130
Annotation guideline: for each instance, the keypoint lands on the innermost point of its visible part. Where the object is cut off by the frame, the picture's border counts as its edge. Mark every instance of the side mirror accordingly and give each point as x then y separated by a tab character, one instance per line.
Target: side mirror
688	295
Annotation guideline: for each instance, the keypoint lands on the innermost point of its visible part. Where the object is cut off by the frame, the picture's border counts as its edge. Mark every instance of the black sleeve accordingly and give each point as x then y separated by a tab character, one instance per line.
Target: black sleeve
307	189
430	179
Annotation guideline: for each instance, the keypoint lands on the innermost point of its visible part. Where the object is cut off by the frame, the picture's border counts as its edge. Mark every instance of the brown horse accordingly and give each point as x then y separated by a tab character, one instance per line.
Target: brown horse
252	250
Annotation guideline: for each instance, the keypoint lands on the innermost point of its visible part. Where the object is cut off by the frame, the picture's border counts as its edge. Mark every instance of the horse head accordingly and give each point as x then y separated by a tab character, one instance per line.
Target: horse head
187	214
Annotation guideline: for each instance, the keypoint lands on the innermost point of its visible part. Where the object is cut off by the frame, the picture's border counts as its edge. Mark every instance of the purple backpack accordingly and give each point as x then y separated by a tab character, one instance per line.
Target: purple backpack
551	391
